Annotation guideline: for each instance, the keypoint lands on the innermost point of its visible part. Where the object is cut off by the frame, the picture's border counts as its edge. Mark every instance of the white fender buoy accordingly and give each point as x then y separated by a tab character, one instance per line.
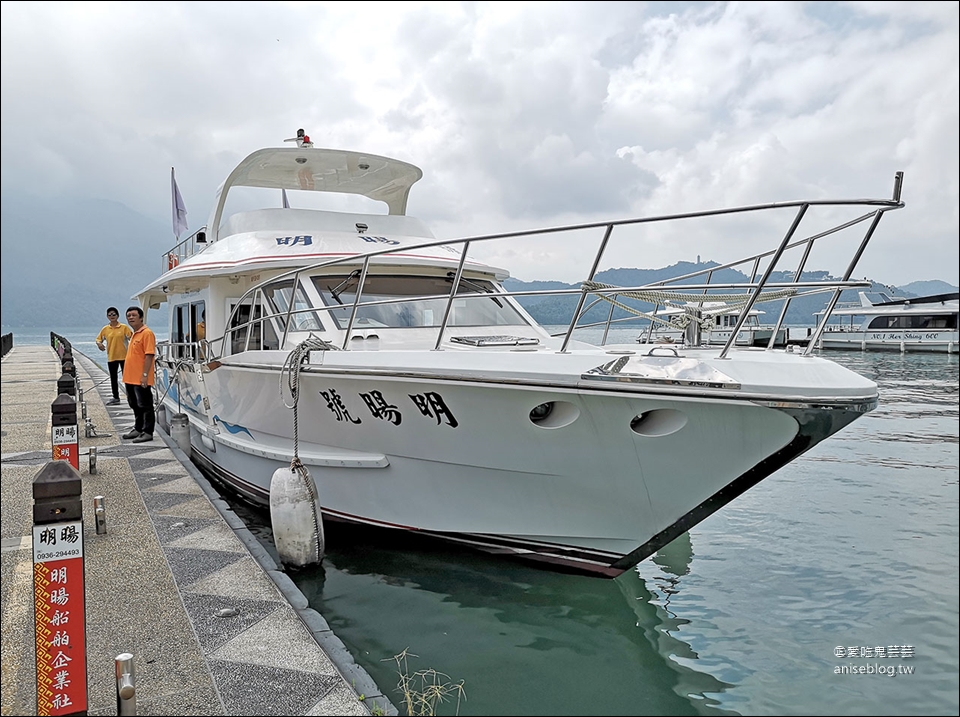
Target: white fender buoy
180	431
295	515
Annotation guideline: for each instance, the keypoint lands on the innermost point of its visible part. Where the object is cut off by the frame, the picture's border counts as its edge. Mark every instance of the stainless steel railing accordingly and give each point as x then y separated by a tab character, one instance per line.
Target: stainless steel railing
764	264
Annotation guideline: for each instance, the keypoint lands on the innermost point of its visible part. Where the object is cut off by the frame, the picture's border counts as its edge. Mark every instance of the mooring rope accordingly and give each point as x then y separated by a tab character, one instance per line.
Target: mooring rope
733	303
291	366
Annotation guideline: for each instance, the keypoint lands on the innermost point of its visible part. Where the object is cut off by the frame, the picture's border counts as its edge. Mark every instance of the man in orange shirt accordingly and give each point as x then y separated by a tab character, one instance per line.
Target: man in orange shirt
138	377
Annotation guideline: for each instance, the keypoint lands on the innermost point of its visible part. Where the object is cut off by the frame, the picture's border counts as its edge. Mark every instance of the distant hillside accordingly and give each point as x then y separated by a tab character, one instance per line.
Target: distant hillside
802	310
925	288
64	262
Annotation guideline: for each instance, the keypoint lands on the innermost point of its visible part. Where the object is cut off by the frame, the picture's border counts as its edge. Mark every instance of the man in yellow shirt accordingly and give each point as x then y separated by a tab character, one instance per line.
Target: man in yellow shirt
116	336
138	377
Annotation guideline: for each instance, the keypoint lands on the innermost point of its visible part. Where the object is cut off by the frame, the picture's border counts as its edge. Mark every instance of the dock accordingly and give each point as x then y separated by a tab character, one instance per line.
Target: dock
214	625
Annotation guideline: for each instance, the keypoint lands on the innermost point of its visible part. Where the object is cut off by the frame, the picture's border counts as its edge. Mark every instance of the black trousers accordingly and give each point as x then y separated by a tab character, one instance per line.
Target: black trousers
140	399
115	368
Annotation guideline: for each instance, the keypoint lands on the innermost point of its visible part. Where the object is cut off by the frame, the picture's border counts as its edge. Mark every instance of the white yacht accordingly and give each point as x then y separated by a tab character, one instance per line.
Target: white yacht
926	323
420	395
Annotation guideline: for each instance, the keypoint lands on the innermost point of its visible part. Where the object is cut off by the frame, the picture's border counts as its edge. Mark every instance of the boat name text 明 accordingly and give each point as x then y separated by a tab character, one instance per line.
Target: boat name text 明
430	404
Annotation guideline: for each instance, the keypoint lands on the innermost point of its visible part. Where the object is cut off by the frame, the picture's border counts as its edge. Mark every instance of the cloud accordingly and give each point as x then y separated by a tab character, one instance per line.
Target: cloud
521	114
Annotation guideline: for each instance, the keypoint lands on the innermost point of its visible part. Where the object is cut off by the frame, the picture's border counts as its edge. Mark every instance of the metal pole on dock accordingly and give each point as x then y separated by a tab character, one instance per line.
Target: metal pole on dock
126	684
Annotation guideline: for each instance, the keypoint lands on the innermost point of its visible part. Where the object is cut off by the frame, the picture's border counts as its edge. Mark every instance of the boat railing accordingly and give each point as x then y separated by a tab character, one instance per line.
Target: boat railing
183	250
759	288
187	351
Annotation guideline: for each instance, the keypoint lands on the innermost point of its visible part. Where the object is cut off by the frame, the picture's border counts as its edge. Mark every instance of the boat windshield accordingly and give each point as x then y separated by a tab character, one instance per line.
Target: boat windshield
414	301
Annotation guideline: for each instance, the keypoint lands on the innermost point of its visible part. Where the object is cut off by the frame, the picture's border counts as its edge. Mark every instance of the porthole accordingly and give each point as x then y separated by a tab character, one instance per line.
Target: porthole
554	414
658	422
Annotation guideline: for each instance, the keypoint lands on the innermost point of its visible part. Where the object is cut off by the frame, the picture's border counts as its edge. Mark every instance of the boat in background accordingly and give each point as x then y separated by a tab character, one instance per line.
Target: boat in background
716	330
926	323
422	396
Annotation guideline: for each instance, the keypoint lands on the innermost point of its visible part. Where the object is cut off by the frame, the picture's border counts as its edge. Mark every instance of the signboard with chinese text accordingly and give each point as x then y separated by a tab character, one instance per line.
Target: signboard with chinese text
66	446
59	617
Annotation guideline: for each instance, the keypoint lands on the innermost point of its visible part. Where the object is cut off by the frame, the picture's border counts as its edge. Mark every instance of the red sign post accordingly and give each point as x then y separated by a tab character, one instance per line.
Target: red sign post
59	596
64	434
59	603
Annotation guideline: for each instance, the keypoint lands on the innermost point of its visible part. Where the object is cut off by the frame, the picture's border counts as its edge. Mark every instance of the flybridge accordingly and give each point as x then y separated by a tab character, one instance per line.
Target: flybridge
323	170
306	168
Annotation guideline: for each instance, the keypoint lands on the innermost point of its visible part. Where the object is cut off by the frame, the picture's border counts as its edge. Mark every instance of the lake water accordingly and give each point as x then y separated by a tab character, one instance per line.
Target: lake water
770	606
81	338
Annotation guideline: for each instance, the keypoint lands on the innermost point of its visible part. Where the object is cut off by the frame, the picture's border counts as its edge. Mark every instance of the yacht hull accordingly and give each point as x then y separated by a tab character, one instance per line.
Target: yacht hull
924	341
589	488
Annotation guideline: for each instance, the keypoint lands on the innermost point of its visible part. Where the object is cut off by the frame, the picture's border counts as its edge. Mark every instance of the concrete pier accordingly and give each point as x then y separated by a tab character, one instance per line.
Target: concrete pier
213	624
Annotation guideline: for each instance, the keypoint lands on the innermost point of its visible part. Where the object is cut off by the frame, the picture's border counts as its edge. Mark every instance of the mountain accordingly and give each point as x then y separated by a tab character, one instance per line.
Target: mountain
925	288
66	261
559	309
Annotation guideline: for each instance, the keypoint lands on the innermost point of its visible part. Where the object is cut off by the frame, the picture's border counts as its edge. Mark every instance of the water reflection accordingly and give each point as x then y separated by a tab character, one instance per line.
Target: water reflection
524	639
649	588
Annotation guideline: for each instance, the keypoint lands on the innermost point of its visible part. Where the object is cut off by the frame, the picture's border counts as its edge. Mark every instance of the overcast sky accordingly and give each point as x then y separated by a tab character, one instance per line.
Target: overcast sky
520	114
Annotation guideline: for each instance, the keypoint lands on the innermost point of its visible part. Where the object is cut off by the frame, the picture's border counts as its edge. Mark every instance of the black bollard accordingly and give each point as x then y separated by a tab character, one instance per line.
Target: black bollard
66	361
67	384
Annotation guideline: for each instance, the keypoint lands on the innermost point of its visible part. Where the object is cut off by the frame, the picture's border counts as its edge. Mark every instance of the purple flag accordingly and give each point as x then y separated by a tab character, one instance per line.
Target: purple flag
179	211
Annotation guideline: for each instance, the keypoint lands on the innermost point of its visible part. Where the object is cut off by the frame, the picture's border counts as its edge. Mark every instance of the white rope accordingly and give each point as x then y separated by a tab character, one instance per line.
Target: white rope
733	303
291	367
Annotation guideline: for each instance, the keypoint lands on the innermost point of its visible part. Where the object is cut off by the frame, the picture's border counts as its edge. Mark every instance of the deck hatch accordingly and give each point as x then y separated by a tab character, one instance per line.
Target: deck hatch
672	370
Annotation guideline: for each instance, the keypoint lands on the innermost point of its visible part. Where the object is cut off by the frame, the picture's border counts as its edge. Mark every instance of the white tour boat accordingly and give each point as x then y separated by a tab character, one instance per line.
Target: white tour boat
418	394
716	330
926	323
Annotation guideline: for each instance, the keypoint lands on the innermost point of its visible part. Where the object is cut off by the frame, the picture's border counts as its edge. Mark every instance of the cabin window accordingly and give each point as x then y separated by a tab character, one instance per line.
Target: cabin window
251	334
187	329
303	317
918	321
179	323
943	322
420	301
198	330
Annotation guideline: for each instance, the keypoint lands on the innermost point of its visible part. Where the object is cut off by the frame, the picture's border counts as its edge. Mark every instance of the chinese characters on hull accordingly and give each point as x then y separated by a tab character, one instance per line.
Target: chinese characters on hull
430	404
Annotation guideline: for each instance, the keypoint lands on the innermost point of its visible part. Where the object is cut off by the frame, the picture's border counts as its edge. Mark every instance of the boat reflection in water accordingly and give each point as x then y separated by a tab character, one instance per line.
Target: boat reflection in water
523	639
649	588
